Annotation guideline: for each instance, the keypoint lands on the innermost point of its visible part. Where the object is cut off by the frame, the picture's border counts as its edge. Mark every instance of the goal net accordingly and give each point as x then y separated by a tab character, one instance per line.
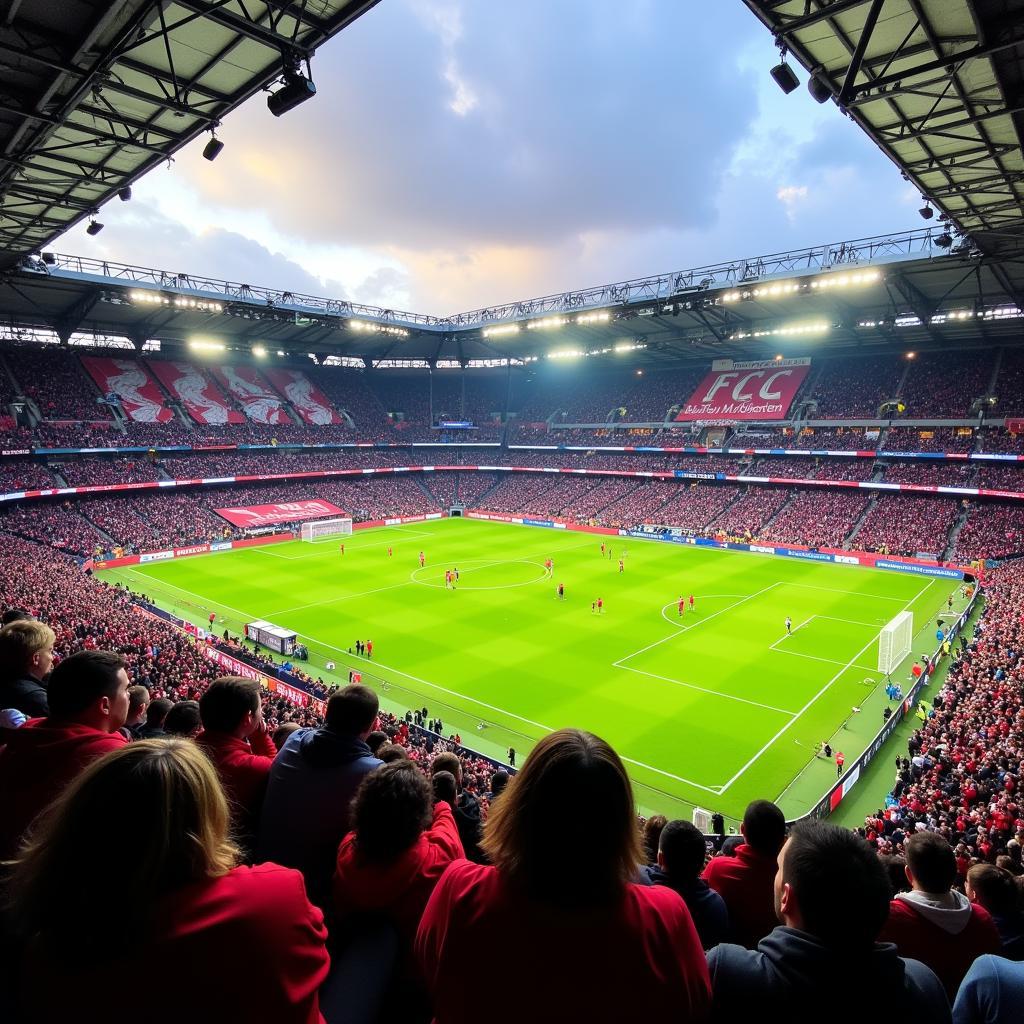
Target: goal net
320	529
894	642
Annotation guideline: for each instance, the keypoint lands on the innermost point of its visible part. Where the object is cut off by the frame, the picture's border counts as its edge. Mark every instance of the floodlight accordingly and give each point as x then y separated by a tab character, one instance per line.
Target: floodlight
944	241
124	194
819	88
296	89
212	149
94	228
926	211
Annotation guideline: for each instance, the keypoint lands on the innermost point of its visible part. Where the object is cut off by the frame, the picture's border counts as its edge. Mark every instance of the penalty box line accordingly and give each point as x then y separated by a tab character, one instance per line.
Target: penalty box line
363	662
817	696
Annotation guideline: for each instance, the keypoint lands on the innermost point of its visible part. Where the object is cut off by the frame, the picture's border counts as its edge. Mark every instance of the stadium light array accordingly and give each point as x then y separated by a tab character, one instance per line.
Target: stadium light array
600	317
205	345
547	323
787	330
499	332
259	352
782	289
368	327
180	301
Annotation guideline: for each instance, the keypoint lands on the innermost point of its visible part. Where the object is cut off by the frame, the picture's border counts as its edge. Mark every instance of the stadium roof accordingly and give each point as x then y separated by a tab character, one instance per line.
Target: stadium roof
865	295
96	92
937	84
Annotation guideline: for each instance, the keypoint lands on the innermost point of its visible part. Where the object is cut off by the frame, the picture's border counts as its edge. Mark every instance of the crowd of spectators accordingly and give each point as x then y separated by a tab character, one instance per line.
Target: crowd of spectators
993	529
931	473
695	506
945	384
1000	476
56	381
748	514
817	518
1009	388
21	475
854	387
1003	441
938	439
905	524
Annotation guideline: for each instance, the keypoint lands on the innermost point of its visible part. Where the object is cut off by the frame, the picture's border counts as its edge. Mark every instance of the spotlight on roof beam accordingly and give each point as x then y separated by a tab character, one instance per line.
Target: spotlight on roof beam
94	228
259	352
295	90
212	149
124	194
944	241
819	88
926	211
785	77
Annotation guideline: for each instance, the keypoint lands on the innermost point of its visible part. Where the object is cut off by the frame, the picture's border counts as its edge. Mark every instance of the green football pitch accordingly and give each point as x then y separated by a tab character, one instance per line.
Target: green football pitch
713	708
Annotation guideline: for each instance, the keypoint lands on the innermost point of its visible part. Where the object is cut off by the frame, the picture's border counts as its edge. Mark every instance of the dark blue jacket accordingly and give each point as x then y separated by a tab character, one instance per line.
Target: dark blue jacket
306	810
707	908
793	976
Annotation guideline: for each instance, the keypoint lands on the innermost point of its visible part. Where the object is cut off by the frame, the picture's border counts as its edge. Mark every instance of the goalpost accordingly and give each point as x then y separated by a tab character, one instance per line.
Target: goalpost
894	642
318	529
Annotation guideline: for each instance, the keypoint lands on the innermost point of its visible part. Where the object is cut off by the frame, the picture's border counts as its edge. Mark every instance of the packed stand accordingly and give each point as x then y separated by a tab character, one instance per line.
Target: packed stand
931	473
55	379
59	525
998	476
1010	383
992	530
900	524
854	387
1002	441
819	519
24	476
944	385
694	506
747	515
941	439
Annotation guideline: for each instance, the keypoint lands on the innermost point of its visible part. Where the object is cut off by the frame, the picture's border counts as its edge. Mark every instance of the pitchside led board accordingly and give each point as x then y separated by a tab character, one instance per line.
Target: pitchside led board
757	390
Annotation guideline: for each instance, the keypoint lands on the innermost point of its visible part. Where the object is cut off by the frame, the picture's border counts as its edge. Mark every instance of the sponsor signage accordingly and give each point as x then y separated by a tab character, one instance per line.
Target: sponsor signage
156	556
921	570
249	516
233	665
753	390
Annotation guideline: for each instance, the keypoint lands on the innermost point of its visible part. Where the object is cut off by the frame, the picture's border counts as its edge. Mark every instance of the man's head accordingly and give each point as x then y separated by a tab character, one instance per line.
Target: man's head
931	864
156	713
499	780
993	888
183	720
390	810
13	615
138	705
448	762
90	687
232	705
681	851
764	827
352	711
831	884
283	731
26	649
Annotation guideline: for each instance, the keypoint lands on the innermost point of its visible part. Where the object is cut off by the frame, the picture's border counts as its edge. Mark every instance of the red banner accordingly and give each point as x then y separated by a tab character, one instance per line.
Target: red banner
761	390
190	386
251	391
140	397
248	516
306	398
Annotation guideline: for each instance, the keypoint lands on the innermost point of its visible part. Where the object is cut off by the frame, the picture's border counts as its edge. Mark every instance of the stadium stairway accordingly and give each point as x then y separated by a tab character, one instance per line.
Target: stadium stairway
852	535
954	533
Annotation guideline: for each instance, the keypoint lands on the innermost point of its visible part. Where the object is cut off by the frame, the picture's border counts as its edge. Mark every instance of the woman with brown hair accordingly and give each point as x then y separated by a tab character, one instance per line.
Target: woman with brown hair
578	939
132	871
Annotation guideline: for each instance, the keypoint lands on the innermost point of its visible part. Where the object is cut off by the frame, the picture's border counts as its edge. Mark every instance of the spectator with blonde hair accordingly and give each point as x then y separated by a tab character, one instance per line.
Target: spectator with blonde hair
243	943
26	657
559	901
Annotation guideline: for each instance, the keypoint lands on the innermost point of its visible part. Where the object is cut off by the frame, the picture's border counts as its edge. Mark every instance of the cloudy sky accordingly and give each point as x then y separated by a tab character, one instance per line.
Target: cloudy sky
461	153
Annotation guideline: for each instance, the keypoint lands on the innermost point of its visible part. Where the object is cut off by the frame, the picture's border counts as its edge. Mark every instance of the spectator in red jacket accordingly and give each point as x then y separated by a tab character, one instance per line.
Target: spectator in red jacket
237	740
934	922
242	943
400	846
746	880
560	905
88	696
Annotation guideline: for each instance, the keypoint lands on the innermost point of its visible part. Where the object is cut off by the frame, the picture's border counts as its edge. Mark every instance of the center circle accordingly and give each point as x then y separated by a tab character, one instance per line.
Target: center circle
483	574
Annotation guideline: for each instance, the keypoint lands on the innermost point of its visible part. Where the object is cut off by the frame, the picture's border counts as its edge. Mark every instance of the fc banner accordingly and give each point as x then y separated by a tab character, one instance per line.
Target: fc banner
248	516
758	390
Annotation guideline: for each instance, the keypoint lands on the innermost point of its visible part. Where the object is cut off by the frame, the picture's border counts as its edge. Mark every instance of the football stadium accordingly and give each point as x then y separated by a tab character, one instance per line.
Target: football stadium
664	635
